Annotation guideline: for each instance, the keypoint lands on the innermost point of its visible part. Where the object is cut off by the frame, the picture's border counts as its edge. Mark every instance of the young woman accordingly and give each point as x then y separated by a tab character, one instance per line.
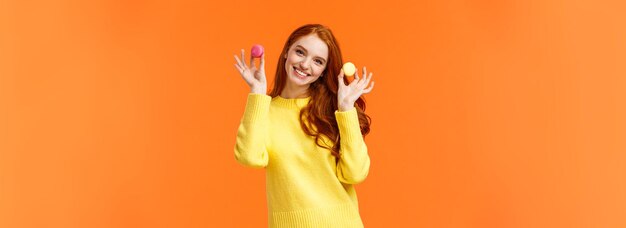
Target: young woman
308	133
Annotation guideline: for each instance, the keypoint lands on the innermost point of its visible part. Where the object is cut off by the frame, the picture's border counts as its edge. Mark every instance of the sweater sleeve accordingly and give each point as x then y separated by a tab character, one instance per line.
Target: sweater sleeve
250	148
354	162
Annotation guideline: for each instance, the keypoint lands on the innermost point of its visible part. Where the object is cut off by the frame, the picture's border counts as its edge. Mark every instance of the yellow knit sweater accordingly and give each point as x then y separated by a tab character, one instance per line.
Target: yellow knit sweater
305	186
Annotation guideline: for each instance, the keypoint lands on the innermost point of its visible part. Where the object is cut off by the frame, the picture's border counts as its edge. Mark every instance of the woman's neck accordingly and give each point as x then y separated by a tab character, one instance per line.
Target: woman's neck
290	92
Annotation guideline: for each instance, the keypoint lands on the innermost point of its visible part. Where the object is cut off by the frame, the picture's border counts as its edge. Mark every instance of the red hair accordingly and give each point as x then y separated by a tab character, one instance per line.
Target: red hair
318	117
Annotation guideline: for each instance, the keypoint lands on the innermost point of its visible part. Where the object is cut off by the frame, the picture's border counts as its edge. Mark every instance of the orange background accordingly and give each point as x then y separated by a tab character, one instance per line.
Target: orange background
485	113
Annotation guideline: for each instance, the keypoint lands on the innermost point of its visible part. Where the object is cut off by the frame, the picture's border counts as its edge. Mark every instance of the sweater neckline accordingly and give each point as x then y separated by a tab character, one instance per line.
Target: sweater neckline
291	102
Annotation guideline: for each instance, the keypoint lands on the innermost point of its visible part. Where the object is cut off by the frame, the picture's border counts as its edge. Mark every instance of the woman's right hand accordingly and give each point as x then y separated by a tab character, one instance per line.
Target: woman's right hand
253	76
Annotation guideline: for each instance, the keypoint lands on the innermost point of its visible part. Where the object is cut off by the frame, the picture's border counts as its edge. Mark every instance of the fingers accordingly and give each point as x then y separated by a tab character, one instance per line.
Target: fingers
340	78
366	91
358	81
239	65
365	81
261	72
252	65
238	61
354	81
364	71
243	63
263	62
369	78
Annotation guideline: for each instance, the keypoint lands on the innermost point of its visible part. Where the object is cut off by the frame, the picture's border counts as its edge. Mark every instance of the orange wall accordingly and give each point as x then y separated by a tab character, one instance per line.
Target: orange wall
485	113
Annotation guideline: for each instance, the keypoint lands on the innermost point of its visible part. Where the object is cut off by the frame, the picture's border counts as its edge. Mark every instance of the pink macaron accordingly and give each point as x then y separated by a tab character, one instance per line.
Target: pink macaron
257	51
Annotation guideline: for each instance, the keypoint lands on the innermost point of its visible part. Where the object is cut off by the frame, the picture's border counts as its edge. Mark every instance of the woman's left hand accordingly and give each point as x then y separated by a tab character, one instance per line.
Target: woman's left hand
348	94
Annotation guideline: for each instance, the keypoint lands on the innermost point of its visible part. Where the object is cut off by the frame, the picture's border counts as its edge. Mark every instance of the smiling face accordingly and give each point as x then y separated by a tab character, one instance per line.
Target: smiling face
305	61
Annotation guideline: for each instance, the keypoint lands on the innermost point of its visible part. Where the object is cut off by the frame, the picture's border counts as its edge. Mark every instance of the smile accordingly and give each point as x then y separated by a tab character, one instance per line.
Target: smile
300	73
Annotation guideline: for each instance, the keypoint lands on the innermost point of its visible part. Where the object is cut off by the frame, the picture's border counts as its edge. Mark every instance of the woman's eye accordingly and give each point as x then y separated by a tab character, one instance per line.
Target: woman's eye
299	52
319	62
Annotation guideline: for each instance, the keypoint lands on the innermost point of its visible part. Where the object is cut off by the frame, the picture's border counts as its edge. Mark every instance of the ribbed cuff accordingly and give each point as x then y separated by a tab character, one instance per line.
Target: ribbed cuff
257	106
348	123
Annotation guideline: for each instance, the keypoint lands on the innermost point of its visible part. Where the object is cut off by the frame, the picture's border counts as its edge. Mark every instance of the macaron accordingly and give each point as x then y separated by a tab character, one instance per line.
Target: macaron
349	69
257	51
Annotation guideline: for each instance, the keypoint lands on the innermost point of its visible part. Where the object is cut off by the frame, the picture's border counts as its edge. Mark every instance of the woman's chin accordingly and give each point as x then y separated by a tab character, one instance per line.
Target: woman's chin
299	81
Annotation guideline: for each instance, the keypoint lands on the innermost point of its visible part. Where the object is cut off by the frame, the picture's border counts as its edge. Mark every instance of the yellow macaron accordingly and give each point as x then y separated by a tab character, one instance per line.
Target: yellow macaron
349	69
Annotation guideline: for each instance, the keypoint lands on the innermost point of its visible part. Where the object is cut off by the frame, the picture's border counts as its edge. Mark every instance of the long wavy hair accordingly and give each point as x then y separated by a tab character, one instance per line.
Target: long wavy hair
317	118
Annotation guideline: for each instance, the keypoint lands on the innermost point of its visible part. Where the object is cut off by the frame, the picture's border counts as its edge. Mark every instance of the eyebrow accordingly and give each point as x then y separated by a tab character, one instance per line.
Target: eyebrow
307	51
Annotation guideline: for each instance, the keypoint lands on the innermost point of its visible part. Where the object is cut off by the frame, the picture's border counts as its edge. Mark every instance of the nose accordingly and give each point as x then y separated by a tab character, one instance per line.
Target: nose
305	64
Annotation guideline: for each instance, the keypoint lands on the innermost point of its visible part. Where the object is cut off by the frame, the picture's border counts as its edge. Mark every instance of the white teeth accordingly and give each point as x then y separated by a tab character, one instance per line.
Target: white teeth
300	72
